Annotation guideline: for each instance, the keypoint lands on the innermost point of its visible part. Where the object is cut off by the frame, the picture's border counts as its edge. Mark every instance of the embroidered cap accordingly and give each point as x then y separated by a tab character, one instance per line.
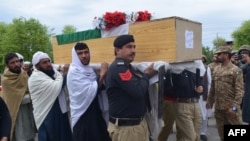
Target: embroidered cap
38	56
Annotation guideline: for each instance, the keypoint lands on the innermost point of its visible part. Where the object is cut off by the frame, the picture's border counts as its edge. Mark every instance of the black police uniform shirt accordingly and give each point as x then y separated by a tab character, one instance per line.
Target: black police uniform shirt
126	91
184	84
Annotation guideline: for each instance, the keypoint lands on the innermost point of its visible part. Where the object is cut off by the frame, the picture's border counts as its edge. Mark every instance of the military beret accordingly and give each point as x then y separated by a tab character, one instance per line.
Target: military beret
204	57
122	40
244	47
225	48
234	51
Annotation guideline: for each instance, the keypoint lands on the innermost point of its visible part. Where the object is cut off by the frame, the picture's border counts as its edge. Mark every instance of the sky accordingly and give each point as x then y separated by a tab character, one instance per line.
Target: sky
219	18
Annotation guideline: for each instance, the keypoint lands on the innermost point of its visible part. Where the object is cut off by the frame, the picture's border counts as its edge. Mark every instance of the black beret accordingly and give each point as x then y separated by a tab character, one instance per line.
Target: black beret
122	40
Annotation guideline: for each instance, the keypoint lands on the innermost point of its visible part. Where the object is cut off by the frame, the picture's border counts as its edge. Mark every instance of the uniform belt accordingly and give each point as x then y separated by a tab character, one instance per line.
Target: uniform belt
125	121
173	99
187	100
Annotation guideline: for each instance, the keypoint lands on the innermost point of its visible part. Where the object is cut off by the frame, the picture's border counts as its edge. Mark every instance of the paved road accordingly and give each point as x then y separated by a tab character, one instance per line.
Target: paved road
212	133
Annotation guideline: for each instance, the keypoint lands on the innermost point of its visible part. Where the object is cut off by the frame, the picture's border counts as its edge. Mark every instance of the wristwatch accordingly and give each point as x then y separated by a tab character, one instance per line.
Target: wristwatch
234	108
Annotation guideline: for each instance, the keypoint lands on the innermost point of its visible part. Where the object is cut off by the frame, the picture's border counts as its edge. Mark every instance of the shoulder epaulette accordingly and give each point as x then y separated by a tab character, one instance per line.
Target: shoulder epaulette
238	71
120	63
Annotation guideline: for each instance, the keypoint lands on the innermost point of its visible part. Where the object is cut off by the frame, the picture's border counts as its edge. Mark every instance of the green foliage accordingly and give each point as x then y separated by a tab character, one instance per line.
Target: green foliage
219	41
241	35
3	30
68	29
208	52
25	37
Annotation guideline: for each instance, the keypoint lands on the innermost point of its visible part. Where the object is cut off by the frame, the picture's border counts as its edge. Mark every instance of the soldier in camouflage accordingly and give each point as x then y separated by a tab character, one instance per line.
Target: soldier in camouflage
226	91
236	59
214	63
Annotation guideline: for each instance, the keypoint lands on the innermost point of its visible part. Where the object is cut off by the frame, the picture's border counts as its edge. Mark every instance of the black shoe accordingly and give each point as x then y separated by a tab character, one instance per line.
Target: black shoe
203	137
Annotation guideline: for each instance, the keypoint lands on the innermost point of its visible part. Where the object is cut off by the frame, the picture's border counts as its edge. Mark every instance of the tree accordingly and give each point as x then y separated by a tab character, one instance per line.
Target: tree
208	52
68	29
25	37
3	30
241	35
219	41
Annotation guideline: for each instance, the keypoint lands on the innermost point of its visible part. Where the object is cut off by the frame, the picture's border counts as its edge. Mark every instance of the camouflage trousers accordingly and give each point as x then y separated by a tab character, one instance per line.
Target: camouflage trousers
223	118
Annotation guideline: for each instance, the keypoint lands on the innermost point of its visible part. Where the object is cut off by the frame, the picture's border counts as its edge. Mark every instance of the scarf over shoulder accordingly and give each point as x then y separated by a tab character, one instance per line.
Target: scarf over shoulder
44	91
14	88
82	86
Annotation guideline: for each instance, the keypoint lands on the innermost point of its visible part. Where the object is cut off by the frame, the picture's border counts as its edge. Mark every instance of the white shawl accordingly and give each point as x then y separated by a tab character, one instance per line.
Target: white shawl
82	87
43	91
206	112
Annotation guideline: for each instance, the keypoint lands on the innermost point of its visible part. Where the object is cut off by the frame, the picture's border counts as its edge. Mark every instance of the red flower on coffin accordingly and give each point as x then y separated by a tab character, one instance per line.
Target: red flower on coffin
114	19
143	16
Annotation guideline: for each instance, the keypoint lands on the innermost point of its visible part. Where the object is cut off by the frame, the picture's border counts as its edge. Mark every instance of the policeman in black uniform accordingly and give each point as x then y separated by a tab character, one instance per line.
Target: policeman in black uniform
127	93
187	89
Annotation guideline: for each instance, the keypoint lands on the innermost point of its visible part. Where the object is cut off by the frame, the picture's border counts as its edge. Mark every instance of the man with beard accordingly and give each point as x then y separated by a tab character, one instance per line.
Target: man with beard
245	55
17	97
127	93
84	86
28	67
226	91
45	85
214	63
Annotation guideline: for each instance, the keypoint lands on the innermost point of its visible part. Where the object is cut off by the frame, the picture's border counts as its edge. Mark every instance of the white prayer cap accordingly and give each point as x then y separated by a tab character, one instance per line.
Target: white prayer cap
38	56
26	62
20	57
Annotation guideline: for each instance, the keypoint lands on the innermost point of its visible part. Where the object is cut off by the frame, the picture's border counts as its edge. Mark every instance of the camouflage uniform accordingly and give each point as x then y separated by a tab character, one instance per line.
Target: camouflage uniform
212	66
226	91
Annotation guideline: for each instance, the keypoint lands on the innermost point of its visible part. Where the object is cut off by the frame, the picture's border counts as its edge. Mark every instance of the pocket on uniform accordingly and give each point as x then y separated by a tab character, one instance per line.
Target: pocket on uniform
228	79
111	129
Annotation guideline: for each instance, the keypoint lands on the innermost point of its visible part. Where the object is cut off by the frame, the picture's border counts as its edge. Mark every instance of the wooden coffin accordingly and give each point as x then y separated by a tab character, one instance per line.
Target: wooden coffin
172	39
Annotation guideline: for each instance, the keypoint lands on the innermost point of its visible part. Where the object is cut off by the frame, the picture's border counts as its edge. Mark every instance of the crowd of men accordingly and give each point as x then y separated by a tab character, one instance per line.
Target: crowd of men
79	103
